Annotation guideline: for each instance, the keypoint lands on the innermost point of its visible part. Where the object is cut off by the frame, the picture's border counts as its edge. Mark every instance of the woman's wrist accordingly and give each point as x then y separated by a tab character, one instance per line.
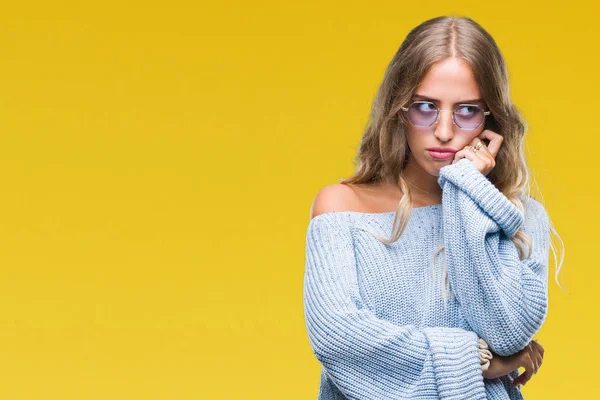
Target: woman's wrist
500	366
493	365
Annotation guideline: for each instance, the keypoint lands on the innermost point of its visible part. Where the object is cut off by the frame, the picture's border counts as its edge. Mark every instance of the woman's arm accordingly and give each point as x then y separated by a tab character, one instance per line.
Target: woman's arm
504	299
368	357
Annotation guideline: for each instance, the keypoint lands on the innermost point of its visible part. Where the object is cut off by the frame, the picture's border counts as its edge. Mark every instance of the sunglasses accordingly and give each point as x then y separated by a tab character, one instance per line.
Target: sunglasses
425	113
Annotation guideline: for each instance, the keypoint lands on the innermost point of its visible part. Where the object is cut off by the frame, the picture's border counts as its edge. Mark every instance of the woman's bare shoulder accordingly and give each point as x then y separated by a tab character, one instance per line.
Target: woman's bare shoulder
363	197
334	198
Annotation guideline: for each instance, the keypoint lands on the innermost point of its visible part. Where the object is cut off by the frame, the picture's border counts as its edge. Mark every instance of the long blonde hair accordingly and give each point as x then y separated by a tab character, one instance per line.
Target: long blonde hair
384	150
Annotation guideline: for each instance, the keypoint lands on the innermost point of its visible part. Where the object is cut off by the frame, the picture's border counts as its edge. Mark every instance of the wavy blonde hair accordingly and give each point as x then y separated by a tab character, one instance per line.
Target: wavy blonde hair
384	150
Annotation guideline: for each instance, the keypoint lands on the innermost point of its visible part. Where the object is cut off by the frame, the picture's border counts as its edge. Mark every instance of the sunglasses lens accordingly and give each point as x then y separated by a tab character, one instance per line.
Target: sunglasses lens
468	116
422	114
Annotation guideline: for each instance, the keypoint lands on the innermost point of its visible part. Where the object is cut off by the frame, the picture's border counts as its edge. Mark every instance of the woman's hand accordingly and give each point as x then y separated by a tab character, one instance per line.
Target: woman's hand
529	358
484	158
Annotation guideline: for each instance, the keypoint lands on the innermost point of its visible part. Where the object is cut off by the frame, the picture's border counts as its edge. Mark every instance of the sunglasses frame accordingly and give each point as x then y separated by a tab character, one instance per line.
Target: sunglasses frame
485	113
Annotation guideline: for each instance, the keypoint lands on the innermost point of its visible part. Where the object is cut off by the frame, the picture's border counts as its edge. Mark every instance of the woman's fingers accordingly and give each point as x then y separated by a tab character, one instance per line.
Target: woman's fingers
527	374
539	347
495	141
527	362
484	157
539	353
531	360
523	378
534	358
536	355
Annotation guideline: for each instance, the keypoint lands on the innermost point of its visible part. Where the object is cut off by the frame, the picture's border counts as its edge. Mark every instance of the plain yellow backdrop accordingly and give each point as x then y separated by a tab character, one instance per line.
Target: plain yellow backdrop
159	161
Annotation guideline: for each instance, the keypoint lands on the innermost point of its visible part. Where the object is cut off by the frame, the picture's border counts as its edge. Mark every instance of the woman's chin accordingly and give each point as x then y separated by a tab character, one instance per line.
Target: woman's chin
435	166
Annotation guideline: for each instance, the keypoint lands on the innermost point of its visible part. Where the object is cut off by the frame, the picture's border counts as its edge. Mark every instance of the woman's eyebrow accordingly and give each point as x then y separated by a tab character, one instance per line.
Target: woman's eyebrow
421	97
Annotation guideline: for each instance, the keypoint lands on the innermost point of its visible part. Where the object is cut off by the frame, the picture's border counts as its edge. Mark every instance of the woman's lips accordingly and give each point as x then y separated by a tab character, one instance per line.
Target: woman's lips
441	155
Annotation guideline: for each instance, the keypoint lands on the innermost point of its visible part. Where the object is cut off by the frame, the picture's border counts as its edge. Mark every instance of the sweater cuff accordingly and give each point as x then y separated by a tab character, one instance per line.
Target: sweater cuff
456	362
465	175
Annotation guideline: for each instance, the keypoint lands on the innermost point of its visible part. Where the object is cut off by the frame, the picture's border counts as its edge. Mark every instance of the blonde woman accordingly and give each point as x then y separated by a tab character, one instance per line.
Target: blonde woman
427	270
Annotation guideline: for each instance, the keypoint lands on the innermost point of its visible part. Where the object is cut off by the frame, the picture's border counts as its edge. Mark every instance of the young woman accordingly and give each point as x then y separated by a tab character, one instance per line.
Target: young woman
447	307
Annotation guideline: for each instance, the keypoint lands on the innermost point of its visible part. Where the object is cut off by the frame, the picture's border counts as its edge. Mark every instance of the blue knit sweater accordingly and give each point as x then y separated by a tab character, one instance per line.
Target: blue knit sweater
375	315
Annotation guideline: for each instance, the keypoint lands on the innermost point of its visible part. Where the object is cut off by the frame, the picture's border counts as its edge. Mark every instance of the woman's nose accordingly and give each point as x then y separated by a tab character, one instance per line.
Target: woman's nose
444	128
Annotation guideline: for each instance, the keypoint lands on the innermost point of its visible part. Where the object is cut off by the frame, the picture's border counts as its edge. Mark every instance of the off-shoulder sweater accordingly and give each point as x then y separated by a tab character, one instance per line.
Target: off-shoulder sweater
375	314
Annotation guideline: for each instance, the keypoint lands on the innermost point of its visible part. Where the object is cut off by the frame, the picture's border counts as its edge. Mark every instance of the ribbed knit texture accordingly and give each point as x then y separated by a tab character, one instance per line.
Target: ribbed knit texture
375	315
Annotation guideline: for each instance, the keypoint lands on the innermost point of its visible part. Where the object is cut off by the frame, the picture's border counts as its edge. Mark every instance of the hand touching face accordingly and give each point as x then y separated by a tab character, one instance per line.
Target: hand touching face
485	157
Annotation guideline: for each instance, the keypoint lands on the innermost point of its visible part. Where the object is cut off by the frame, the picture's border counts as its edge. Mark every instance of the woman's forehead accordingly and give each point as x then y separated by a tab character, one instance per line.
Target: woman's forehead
449	81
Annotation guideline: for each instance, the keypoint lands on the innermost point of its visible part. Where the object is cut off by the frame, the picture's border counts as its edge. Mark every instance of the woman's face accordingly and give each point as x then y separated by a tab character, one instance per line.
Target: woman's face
448	83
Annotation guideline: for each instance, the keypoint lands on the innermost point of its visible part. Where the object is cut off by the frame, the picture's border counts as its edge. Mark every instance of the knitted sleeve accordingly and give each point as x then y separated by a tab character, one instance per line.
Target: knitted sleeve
503	298
368	357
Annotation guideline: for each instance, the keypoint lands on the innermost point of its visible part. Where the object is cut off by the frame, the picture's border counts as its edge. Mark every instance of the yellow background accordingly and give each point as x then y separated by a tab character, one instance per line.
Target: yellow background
159	162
